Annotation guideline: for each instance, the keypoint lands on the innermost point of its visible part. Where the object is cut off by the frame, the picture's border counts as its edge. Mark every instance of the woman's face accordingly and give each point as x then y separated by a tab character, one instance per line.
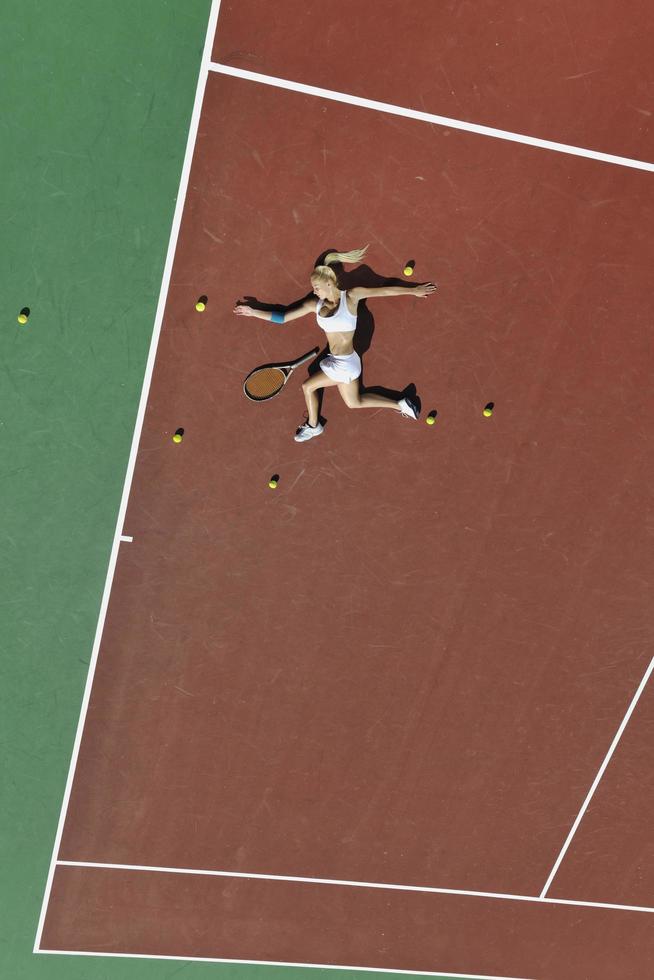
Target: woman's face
322	289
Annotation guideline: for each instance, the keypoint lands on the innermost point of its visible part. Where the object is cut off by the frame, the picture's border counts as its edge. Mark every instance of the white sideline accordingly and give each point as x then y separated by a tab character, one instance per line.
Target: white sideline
396	110
384	886
163	293
607	759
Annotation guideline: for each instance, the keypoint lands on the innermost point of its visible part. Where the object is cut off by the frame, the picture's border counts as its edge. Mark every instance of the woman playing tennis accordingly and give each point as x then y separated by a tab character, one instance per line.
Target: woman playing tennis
336	312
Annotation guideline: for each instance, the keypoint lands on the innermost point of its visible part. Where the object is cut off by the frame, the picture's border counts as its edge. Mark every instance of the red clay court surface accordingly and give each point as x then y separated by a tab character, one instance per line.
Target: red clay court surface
410	663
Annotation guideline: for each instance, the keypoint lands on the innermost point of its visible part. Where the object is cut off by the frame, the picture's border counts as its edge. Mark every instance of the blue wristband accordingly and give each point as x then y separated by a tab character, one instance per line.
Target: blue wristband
277	317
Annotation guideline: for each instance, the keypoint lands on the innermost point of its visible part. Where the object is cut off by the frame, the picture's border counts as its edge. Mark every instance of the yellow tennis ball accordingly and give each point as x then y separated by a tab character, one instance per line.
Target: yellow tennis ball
430	420
272	484
200	307
177	437
488	412
408	270
22	318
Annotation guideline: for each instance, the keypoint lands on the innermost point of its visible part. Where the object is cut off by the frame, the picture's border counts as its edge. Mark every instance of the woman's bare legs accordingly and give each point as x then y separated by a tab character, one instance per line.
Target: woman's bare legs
309	389
354	398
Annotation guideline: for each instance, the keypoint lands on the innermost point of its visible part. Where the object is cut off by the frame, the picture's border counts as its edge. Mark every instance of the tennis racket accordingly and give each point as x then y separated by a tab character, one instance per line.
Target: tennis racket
268	380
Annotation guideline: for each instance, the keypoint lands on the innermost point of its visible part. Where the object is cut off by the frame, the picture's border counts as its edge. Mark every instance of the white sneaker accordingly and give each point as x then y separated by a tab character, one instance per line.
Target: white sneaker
408	408
307	431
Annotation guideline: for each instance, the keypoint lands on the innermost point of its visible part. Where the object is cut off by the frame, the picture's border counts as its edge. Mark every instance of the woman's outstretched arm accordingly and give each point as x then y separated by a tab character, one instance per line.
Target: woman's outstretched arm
420	290
308	306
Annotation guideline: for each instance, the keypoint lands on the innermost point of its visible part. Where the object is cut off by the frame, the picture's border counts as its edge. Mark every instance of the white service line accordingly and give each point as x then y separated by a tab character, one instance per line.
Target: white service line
396	110
614	745
305	966
384	886
163	293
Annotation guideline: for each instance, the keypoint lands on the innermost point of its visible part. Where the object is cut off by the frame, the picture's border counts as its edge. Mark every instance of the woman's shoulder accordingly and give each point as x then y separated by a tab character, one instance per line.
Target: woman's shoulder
352	299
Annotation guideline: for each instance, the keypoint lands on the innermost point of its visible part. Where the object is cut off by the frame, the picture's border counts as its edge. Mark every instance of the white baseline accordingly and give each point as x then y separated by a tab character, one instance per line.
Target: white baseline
306	966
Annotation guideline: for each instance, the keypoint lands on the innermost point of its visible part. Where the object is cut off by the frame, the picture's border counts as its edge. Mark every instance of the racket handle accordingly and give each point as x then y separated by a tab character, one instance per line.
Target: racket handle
307	357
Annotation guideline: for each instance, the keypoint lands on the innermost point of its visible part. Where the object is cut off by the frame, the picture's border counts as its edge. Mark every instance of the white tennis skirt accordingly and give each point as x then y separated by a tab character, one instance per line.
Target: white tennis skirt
342	367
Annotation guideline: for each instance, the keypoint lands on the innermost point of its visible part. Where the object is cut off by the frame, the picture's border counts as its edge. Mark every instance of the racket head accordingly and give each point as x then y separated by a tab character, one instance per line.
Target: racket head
264	383
268	380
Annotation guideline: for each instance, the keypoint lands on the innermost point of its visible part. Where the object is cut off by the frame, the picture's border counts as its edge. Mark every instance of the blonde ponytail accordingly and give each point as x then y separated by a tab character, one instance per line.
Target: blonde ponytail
325	272
354	256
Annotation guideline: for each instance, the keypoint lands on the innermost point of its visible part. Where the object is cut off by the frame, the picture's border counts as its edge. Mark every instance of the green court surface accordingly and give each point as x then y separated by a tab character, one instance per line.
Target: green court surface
96	110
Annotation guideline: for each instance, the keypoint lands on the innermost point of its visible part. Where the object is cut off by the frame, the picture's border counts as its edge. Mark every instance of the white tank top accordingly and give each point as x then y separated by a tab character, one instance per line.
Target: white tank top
341	321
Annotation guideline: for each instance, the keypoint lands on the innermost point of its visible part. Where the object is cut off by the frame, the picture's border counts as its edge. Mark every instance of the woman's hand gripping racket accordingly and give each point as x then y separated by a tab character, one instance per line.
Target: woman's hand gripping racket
267	381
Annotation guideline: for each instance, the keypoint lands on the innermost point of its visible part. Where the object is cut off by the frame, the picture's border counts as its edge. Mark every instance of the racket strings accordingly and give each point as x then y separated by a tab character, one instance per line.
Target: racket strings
265	382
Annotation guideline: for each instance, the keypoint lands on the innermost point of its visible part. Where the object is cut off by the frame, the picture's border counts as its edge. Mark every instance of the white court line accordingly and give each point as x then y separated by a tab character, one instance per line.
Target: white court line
384	886
395	110
305	966
614	744
126	537
163	293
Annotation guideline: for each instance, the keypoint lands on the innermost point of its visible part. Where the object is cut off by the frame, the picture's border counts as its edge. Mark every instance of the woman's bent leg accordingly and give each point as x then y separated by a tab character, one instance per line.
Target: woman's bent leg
355	398
309	389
